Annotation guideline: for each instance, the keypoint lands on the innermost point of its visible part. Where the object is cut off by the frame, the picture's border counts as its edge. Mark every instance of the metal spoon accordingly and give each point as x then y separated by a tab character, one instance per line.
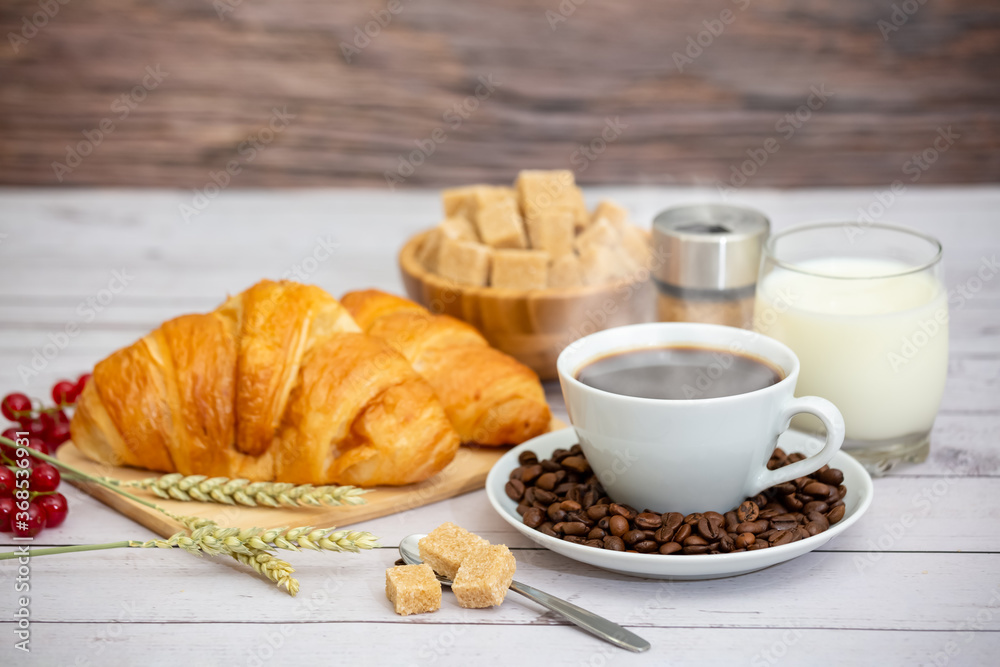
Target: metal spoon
592	623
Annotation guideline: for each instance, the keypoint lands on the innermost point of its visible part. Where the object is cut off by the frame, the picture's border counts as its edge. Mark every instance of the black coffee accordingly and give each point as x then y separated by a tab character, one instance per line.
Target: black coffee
681	372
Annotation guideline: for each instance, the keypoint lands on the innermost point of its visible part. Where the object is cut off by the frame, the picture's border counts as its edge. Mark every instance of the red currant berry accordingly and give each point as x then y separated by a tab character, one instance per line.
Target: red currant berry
36	427
7	509
63	392
30	526
55	507
44	477
58	435
7	480
48	421
13	405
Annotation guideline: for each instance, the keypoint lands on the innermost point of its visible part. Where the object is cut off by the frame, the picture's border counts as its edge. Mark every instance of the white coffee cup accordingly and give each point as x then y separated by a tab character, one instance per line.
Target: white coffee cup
690	455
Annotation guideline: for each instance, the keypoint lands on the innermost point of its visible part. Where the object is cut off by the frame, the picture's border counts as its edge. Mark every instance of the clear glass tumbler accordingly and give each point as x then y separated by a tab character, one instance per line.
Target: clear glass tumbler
864	308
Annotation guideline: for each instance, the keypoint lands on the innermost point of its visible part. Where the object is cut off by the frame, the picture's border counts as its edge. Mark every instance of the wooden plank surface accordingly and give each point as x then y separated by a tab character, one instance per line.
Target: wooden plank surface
913	582
560	72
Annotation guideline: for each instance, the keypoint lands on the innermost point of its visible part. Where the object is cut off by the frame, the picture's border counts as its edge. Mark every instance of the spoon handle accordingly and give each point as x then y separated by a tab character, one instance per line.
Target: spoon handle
589	621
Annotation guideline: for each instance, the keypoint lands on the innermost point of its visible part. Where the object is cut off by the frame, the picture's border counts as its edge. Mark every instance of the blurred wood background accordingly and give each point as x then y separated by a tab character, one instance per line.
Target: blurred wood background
559	73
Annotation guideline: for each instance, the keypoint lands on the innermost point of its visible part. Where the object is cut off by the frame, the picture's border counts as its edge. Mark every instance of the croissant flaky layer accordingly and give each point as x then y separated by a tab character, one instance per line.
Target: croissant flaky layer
491	398
278	383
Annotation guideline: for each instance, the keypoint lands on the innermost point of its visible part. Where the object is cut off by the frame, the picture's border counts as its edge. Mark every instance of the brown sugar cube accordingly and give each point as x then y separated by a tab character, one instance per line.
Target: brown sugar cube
459	228
520	269
574	201
464	262
600	233
600	265
551	231
611	212
447	546
566	271
539	190
430	247
458	201
413	589
498	220
484	577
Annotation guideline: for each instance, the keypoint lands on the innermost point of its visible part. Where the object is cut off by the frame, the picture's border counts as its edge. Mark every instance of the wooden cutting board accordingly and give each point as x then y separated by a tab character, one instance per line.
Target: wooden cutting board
467	472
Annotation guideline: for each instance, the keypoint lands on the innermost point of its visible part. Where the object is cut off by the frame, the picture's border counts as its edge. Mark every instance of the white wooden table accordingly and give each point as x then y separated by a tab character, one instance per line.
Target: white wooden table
916	581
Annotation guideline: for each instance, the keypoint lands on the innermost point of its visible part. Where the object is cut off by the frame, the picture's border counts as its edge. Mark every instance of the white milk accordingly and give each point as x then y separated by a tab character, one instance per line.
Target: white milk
876	347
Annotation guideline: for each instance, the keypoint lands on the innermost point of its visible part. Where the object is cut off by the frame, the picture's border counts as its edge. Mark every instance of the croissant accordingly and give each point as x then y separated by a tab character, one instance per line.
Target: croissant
490	398
278	383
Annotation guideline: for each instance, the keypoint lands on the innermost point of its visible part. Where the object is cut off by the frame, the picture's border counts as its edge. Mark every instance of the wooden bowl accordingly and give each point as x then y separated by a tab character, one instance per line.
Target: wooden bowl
533	326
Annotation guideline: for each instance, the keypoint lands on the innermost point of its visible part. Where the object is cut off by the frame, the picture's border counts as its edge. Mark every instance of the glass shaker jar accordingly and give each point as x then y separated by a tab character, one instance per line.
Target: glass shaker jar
712	257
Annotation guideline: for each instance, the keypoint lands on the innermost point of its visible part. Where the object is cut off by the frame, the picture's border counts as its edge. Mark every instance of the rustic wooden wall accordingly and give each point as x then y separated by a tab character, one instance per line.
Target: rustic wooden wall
557	83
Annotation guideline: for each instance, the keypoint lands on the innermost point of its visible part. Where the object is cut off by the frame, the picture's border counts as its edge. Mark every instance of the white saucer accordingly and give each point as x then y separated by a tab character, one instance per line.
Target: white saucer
708	566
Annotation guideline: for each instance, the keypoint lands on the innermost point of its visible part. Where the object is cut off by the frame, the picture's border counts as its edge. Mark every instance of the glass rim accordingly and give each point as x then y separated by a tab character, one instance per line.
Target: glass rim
769	250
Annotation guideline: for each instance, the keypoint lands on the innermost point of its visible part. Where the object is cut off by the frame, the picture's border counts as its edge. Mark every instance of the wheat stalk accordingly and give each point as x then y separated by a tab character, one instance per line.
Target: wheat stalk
272	567
228	491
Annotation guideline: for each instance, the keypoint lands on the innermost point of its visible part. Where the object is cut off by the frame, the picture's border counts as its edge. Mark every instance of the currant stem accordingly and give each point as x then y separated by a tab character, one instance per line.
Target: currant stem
79	473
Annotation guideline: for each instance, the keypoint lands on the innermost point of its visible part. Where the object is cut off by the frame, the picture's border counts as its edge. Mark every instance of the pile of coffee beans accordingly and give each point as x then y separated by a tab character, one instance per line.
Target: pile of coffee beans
562	498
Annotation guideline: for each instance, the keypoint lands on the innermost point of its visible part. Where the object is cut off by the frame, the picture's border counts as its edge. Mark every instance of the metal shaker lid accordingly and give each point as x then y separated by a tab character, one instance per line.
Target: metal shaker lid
709	246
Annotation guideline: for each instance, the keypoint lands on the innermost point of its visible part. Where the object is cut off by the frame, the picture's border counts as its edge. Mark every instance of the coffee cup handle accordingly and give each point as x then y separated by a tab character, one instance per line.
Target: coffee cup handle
834	423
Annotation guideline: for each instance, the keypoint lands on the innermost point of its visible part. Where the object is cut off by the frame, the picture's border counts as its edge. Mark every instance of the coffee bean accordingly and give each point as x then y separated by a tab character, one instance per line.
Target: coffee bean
604	523
792	502
831	476
646	546
556	513
814	528
694	540
547	481
575	539
745	540
543	496
769	513
560	453
589	497
663	534
766	535
577	463
596	534
514	489
754	527
683	532
522	508
726	544
632	537
836	514
618	525
693	518
613	543
623	510
527	457
547	529
815	506
597	512
756	546
548	465
672	520
784	522
566	489
732	520
531	473
710	527
648	520
573	528
530	494
748	511
786	489
801	533
570	505
597	544
696	550
578	516
533	518
820	519
817	489
841	491
670	548
781	537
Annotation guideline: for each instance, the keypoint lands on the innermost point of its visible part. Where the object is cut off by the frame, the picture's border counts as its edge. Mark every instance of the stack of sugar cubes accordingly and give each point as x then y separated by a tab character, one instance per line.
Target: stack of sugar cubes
480	572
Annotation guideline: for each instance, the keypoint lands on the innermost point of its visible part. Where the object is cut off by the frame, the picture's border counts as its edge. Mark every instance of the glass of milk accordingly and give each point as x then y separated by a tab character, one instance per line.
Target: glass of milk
864	308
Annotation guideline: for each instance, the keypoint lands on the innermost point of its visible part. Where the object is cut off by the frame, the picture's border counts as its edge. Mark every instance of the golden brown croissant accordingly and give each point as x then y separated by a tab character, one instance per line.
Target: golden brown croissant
491	398
278	383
